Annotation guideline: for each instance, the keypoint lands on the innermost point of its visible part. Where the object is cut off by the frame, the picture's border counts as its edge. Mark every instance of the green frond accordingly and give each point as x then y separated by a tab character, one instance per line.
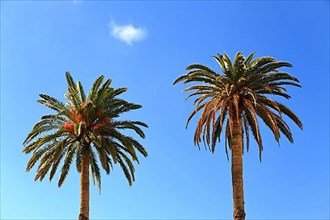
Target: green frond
112	150
73	92
279	83
227	60
199	87
130	149
67	163
259	62
39	128
206	70
47	160
272	66
195	75
238	58
49	138
31	147
203	79
53	118
290	114
269	119
81	92
225	64
249	58
36	156
70	80
40	141
278	76
60	147
131	125
140	123
179	79
93	92
102	91
269	102
78	158
284	128
43	170
103	158
274	92
239	65
109	162
96	175
120	109
129	164
116	92
53	103
138	146
126	171
90	111
55	166
98	140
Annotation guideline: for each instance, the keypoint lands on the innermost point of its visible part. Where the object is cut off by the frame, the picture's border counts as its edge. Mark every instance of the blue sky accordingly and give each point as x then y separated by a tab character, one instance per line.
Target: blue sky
144	46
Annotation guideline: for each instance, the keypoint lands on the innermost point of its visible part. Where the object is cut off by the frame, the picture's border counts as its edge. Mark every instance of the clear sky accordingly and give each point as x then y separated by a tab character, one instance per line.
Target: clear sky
144	46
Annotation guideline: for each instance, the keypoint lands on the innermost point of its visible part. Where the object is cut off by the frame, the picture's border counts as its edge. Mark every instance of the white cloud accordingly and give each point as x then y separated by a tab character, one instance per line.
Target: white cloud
127	33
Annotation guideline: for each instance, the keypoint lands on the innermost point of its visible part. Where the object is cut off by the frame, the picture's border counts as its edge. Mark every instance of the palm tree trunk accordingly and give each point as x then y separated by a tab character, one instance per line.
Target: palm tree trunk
84	184
237	170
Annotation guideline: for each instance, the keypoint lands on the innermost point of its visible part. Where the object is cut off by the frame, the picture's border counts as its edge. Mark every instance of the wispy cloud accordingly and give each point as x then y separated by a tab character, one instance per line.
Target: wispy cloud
76	2
127	33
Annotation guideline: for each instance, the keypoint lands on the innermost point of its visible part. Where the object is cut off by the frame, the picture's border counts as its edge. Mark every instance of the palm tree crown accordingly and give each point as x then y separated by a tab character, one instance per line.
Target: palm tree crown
240	93
85	121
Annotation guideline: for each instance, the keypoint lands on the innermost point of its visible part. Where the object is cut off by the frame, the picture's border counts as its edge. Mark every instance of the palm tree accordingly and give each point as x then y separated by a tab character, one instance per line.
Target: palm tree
85	129
232	101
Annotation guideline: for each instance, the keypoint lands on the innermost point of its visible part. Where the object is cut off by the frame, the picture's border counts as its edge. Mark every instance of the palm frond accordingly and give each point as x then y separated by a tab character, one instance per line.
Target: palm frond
102	91
67	163
249	58
53	104
96	175
291	115
96	85
81	92
126	171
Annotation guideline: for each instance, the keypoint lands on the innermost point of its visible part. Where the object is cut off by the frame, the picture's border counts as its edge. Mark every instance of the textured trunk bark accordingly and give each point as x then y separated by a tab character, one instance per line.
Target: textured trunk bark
237	171
84	185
